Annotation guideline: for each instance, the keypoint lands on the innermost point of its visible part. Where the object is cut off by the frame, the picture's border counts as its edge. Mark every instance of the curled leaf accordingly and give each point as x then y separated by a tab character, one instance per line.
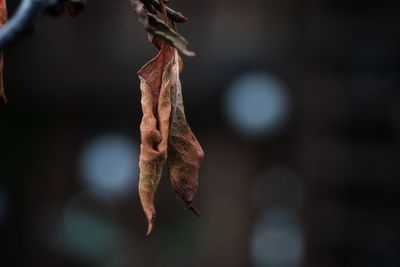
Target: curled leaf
165	133
160	28
154	5
185	154
155	84
164	31
3	20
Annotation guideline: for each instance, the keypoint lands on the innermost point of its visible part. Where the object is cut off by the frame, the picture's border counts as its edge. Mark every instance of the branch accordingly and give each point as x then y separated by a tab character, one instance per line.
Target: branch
29	12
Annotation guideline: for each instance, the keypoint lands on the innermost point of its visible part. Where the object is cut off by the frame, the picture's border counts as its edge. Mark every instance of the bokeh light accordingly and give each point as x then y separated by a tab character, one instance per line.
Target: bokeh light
278	239
110	164
88	229
256	104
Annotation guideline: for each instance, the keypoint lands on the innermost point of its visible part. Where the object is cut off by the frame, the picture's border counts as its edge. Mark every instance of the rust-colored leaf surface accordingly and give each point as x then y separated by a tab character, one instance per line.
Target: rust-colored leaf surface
155	86
185	154
3	20
165	133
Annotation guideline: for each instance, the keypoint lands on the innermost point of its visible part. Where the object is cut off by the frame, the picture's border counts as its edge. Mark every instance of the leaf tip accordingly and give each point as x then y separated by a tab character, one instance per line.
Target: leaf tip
150	224
192	209
188	53
180	17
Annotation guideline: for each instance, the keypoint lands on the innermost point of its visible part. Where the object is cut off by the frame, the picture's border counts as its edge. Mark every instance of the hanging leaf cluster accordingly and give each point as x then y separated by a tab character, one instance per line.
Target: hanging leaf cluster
166	137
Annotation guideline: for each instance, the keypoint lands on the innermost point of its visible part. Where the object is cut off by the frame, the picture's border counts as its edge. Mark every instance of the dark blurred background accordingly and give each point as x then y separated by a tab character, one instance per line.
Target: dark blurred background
296	104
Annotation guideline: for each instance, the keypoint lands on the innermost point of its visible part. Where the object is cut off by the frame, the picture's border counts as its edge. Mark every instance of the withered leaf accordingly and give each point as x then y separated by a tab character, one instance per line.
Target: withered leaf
185	154
157	43
161	29
164	31
165	133
3	20
155	84
155	5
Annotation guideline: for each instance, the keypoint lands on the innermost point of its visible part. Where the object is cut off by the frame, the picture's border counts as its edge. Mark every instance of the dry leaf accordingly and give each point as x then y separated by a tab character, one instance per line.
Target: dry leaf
165	133
3	20
155	85
185	154
161	29
164	31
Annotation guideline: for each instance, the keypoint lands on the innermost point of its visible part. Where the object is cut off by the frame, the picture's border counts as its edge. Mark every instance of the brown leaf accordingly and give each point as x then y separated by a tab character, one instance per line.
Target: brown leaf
3	20
164	31
185	154
165	133
155	85
157	43
161	29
